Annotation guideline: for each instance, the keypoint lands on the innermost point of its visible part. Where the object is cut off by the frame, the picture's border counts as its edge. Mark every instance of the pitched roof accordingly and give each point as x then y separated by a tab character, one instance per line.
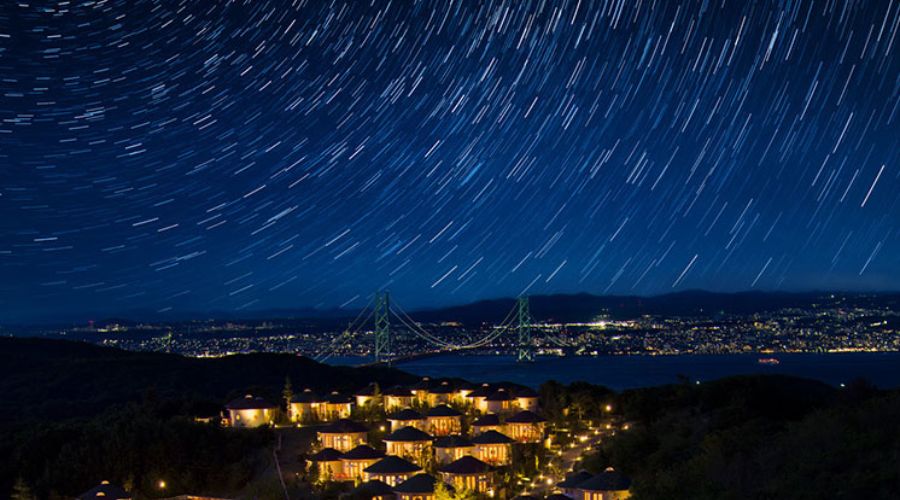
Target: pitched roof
465	465
483	391
500	395
442	388
249	402
420	483
574	479
407	414
343	426
368	390
452	442
407	434
421	385
490	419
608	480
465	385
336	398
326	455
362	452
443	411
398	391
307	396
525	417
558	496
105	491
492	437
392	465
370	489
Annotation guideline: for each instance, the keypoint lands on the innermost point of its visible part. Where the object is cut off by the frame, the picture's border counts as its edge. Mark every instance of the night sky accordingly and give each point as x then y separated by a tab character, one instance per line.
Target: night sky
228	155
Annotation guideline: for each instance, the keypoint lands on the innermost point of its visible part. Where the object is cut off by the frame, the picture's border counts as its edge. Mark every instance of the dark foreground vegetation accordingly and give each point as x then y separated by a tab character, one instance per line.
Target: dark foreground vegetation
758	438
72	414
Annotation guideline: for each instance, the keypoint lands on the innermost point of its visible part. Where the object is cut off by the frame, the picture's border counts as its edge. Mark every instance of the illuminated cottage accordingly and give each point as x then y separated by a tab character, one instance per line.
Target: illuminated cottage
397	398
335	406
302	408
328	461
420	390
407	418
355	461
484	423
444	420
468	473
450	448
250	411
391	470
463	389
342	435
569	485
526	399
368	395
607	485
526	427
478	397
408	442
418	487
371	490
440	394
493	447
501	401
105	491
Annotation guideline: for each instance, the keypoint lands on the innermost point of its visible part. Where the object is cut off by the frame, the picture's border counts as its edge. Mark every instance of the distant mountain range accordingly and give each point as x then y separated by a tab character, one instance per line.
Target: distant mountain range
579	307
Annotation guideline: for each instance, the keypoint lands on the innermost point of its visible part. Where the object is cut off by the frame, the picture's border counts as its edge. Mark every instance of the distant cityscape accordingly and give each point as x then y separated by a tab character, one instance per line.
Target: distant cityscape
834	324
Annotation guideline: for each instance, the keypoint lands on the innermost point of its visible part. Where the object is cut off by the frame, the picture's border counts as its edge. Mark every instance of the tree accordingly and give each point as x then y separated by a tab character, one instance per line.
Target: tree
287	393
21	491
441	492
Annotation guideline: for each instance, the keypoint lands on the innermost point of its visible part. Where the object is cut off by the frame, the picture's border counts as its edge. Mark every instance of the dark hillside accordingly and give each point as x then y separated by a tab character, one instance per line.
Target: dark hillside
53	380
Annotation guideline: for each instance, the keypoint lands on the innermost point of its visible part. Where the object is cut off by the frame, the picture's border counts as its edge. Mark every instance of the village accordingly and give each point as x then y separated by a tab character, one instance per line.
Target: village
434	439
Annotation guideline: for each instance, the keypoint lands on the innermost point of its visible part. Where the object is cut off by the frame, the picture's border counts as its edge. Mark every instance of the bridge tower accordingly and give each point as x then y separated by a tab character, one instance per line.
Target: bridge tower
382	327
526	346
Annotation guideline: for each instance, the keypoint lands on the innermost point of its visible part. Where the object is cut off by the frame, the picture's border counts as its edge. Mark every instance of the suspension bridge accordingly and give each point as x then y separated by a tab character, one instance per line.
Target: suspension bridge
389	317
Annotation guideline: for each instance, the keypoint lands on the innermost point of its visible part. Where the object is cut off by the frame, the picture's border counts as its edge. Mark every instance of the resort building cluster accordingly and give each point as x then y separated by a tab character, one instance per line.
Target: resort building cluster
434	434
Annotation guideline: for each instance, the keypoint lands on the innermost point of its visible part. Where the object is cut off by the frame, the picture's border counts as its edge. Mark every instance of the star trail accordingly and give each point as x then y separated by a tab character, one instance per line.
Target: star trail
231	155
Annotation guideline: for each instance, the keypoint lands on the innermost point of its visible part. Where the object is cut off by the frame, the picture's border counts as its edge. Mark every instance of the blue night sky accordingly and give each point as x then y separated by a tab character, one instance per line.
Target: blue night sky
226	155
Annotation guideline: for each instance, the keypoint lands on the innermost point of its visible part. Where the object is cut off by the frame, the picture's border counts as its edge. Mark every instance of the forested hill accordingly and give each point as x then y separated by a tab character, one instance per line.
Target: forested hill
54	379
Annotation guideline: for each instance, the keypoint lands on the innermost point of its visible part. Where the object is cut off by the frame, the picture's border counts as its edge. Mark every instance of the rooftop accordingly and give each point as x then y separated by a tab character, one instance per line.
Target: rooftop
362	452
105	491
398	391
608	480
370	489
574	479
492	437
343	426
392	465
420	483
326	455
443	411
307	396
369	390
500	395
407	414
249	402
407	434
452	442
525	417
486	420
466	465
